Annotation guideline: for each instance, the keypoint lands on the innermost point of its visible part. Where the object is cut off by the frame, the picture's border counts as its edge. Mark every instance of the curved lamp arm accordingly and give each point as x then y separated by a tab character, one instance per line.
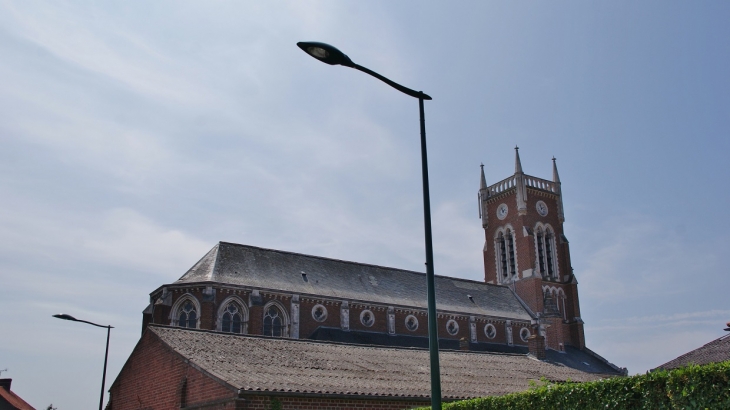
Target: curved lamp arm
331	55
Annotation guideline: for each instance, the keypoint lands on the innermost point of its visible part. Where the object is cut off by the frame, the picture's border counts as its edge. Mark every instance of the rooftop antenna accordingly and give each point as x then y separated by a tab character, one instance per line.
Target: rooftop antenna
3	370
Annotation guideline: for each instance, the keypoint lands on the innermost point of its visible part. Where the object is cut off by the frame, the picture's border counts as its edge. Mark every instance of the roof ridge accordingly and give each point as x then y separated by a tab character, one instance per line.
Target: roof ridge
354	263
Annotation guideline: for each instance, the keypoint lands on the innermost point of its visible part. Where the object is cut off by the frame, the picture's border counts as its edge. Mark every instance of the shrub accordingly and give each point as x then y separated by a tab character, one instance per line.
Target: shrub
691	387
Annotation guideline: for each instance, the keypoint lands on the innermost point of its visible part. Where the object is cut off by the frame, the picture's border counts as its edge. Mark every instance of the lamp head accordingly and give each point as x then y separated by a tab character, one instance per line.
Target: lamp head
325	53
65	317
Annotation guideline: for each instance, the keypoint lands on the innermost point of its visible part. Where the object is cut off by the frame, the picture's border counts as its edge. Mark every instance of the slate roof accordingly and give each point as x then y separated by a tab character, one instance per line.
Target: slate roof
272	365
717	350
246	265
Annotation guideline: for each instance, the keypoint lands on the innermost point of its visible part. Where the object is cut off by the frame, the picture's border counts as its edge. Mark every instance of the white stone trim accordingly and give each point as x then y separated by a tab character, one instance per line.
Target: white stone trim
324	315
456	326
415	320
498	254
486	331
362	318
525	334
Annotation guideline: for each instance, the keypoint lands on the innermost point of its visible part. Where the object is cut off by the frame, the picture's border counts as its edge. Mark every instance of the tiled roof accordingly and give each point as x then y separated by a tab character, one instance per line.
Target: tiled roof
259	364
717	350
272	269
14	400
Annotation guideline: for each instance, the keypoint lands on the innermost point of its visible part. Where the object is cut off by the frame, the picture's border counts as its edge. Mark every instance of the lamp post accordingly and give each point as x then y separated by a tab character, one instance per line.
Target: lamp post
106	354
332	56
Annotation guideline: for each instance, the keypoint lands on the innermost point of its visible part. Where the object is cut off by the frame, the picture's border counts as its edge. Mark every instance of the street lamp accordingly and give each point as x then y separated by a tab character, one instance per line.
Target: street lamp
332	56
106	354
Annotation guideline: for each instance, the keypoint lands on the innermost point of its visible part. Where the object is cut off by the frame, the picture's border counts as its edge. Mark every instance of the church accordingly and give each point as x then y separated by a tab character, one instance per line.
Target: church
271	304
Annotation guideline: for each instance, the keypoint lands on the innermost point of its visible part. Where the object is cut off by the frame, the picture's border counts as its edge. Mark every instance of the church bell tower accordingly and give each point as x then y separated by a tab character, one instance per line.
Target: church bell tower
526	249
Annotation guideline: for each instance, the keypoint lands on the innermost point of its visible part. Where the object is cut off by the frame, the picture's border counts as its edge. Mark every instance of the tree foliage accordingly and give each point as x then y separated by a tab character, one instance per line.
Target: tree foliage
692	387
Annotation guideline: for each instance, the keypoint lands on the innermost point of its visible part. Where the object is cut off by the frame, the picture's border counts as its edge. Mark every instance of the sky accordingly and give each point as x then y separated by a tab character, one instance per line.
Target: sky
136	135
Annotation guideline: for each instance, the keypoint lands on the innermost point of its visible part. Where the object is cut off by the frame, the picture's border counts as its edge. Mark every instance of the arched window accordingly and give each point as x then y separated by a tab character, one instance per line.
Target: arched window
274	321
549	242
232	316
545	244
540	238
561	303
186	312
511	249
505	247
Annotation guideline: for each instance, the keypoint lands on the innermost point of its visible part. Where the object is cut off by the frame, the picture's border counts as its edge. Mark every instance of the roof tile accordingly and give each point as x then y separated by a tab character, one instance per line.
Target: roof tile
286	365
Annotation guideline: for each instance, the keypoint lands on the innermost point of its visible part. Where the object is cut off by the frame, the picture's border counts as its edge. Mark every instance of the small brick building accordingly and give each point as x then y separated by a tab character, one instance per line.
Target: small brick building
172	367
527	303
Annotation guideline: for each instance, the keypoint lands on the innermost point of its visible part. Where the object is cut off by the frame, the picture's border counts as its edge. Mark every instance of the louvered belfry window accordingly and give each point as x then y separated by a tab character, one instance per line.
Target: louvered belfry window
506	257
511	242
545	242
503	256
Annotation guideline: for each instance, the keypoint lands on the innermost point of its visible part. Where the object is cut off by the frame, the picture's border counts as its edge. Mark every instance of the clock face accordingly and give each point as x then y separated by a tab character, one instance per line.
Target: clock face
502	211
542	209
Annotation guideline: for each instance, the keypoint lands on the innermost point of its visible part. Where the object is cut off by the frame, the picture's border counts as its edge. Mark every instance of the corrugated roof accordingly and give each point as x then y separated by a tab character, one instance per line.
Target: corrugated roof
717	350
245	265
259	364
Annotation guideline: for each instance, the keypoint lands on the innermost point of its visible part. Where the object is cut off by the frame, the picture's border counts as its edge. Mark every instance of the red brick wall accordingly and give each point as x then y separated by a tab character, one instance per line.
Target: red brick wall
530	289
307	324
400	322
524	245
380	313
153	378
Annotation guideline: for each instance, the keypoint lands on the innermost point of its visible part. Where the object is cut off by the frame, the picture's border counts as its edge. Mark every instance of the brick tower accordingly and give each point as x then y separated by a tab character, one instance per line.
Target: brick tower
525	248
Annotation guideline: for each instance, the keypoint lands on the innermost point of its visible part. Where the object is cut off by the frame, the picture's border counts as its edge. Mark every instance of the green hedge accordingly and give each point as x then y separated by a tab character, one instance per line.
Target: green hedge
692	387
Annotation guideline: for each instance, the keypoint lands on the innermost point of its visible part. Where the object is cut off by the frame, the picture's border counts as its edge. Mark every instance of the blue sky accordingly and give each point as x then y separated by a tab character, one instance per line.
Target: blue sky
134	136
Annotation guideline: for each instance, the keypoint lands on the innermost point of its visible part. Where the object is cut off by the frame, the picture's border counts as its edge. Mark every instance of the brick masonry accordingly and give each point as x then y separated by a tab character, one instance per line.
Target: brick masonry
211	301
529	286
155	377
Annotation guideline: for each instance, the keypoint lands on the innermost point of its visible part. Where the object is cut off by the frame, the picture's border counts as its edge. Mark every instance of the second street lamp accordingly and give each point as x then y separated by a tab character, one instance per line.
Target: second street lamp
332	56
106	354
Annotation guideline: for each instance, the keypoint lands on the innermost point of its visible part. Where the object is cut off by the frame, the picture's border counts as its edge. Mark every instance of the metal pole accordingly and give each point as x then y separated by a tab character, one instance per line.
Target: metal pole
103	376
433	337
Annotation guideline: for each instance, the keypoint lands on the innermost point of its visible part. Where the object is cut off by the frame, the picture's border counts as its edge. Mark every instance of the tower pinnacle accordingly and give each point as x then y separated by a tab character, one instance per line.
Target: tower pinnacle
518	164
521	196
559	191
556	177
483	184
483	196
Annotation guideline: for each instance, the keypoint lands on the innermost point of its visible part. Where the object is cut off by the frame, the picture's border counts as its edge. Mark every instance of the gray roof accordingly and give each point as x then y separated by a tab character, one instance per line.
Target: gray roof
245	265
260	364
717	350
